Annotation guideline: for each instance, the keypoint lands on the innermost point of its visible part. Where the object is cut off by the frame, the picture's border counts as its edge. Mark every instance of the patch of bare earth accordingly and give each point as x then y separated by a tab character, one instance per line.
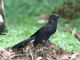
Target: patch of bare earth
44	51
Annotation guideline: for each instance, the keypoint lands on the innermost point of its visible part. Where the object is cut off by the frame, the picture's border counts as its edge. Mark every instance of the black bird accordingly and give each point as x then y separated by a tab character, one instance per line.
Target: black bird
43	34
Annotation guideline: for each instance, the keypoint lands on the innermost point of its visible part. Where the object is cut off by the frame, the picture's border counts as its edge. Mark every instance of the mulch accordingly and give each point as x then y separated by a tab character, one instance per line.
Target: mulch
43	51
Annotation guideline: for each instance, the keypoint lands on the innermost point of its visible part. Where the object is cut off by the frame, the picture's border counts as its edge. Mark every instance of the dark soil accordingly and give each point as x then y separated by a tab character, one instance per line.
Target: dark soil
44	51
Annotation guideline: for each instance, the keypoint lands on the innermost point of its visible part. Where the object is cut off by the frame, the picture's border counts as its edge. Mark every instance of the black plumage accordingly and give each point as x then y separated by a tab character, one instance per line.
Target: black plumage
43	34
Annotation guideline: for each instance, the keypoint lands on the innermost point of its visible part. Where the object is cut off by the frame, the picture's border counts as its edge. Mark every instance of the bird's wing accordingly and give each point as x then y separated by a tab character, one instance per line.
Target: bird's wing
35	33
42	28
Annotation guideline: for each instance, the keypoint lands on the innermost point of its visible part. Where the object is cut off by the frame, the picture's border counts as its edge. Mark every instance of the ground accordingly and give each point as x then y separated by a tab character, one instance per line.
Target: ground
44	51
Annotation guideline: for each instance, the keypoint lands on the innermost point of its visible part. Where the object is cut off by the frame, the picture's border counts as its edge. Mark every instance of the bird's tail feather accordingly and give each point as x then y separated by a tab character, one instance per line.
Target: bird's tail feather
23	43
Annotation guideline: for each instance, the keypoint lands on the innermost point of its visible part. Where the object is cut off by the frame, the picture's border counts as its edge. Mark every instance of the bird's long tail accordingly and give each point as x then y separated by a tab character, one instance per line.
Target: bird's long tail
23	43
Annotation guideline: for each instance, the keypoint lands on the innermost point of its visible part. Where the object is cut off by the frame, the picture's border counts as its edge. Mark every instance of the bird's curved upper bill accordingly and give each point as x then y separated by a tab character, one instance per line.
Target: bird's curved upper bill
57	15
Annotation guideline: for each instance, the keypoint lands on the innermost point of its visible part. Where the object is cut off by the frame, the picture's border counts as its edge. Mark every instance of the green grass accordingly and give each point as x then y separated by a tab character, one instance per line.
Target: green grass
65	39
21	22
18	31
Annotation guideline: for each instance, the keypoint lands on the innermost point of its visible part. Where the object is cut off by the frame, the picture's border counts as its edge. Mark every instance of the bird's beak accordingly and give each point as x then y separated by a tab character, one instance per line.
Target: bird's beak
57	15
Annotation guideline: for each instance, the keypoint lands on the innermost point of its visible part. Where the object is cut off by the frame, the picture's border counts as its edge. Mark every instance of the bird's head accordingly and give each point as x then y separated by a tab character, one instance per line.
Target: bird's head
54	16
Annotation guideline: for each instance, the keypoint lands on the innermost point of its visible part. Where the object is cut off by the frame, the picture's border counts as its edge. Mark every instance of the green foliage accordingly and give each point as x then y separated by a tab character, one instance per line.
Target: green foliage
70	9
20	9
